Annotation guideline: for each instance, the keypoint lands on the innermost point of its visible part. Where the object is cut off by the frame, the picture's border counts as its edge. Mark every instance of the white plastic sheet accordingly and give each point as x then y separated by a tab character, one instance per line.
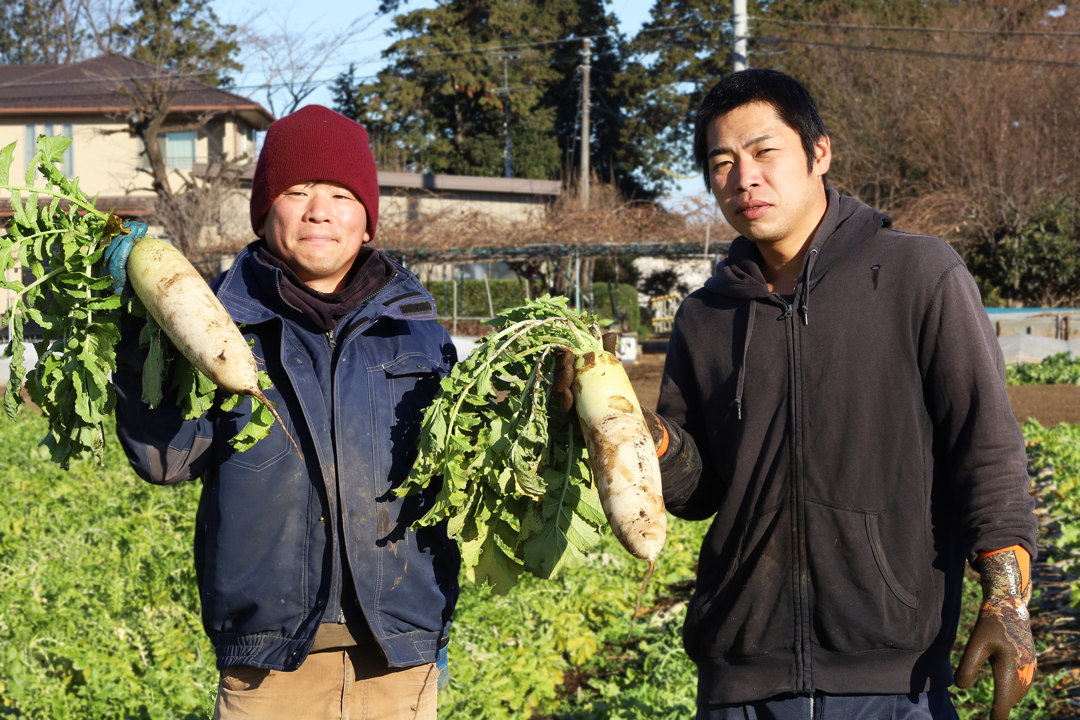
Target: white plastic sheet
1022	348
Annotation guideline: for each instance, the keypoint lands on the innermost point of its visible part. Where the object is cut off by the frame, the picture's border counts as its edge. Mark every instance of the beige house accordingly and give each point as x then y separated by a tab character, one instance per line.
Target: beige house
413	196
91	103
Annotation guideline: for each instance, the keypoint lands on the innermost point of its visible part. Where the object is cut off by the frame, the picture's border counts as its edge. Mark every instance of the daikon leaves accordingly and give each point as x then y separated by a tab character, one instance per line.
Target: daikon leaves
516	492
59	236
69	301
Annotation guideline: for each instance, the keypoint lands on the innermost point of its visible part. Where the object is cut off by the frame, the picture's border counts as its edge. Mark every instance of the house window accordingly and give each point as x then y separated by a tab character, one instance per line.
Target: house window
178	149
245	142
31	145
69	154
49	130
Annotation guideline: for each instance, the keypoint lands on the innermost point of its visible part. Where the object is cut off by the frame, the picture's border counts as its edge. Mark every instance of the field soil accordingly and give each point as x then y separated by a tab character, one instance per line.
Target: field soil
1049	404
645	376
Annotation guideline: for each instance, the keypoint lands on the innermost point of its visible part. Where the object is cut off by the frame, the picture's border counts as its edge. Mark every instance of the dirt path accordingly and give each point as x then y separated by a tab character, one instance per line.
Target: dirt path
645	376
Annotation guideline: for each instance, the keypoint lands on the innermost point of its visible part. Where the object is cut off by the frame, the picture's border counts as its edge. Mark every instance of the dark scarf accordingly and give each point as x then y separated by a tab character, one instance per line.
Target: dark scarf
370	271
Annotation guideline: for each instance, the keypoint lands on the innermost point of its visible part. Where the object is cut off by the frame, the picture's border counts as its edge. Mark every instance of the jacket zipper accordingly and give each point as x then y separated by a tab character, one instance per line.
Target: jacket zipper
802	611
342	510
333	342
361	324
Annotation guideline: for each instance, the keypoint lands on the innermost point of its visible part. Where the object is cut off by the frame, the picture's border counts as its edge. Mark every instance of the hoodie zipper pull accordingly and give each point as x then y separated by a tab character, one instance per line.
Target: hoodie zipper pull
330	338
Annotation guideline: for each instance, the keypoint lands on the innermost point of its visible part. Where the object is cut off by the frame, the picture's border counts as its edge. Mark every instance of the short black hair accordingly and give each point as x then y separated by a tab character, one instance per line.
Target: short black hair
792	102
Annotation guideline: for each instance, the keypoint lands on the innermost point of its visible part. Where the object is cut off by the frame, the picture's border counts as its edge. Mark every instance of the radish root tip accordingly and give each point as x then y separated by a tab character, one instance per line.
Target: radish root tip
257	394
637	605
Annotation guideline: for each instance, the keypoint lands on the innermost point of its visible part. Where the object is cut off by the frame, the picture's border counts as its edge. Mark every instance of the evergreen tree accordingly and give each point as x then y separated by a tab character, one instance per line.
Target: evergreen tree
612	156
441	104
437	107
676	58
184	37
39	31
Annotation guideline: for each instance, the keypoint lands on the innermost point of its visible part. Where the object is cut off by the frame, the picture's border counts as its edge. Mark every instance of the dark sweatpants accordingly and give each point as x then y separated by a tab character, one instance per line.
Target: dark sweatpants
922	706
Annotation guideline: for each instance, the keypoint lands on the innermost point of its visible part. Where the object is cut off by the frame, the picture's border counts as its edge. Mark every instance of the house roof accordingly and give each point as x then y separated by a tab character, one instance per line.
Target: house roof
97	86
427	181
469	183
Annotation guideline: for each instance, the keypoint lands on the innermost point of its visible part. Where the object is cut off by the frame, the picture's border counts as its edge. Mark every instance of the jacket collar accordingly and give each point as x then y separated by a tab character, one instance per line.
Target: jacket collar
247	290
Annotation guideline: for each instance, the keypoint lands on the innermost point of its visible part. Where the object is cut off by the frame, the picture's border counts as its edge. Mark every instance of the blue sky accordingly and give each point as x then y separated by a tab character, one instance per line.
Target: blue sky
365	50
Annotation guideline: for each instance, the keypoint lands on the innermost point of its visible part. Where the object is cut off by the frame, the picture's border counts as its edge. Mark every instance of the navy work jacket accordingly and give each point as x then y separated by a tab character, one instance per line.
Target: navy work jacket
269	523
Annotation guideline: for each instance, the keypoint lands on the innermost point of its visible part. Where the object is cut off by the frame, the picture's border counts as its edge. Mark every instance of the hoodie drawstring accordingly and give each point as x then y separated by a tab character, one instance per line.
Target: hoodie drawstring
745	353
804	303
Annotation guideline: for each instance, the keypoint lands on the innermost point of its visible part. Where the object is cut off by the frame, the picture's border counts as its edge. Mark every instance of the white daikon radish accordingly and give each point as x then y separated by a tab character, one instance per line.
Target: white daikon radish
191	315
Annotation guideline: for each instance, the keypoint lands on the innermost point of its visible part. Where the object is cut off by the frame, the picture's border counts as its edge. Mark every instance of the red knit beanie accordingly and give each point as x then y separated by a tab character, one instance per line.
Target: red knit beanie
315	144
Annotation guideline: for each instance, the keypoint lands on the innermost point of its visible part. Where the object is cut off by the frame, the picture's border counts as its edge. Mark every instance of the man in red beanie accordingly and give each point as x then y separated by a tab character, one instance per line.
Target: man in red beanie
319	597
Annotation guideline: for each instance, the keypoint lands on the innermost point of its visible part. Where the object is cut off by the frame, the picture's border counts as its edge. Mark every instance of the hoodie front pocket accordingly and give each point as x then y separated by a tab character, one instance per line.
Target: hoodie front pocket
747	611
856	601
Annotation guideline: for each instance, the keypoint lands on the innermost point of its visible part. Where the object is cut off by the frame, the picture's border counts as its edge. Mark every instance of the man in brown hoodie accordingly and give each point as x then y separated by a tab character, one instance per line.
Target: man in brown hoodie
852	458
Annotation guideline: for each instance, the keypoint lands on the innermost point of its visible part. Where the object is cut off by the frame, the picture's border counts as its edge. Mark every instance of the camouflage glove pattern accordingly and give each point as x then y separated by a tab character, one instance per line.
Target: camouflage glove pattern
1002	633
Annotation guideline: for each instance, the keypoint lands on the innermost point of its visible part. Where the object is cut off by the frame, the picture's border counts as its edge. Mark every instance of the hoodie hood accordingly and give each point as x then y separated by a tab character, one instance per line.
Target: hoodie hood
847	223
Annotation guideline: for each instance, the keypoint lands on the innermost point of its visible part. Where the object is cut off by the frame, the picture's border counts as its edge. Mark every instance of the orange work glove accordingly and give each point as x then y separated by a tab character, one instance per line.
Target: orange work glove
1003	631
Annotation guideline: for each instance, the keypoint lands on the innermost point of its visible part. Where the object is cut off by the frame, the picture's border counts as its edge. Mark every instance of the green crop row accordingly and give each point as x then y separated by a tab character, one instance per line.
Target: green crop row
99	611
1058	369
1054	455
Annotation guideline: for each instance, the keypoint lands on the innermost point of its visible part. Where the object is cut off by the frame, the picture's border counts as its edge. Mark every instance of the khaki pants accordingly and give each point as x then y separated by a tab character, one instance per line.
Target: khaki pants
347	684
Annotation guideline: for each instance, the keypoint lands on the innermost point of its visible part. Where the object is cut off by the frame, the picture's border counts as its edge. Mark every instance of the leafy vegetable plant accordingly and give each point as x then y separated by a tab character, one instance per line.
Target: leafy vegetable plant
517	490
1060	369
62	243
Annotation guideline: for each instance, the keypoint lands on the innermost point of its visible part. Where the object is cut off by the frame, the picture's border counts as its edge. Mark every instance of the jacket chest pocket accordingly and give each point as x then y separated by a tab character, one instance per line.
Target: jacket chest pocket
401	392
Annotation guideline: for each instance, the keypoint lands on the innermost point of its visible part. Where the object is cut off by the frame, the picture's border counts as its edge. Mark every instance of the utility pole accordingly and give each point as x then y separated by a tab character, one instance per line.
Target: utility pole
505	91
506	117
740	33
586	66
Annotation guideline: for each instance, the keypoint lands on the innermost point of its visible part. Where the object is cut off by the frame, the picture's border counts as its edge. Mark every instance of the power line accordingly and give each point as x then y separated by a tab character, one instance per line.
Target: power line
902	28
933	53
605	36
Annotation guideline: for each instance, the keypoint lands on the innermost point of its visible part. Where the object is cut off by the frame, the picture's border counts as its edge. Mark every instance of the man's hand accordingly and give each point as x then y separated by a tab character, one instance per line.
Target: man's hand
565	373
116	256
1003	631
564	378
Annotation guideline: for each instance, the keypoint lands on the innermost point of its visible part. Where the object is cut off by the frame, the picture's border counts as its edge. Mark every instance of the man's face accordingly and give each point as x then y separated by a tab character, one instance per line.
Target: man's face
317	229
758	174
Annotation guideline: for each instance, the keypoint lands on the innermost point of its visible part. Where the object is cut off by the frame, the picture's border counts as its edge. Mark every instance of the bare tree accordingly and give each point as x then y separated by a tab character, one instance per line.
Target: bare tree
201	218
292	55
177	46
952	131
104	19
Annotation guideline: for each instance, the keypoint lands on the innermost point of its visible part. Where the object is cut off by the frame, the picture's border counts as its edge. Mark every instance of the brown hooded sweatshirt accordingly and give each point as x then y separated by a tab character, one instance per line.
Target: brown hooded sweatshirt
854	447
